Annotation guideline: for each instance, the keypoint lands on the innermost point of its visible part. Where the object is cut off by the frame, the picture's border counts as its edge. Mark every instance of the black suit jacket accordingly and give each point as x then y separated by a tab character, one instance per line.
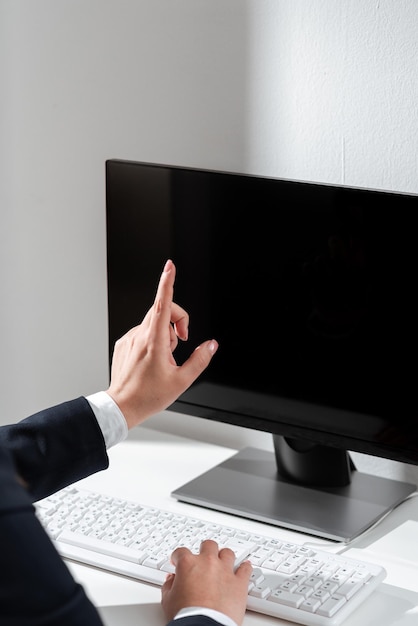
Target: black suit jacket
46	451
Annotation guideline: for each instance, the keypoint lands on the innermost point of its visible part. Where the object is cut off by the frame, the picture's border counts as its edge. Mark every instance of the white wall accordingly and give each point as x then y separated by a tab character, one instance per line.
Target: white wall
307	89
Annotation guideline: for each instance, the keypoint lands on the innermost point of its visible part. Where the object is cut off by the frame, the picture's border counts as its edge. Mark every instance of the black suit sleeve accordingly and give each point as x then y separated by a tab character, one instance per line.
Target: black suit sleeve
48	451
56	447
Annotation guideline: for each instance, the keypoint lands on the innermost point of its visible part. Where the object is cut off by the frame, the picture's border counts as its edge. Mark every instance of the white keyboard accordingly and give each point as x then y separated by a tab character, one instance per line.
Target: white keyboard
289	580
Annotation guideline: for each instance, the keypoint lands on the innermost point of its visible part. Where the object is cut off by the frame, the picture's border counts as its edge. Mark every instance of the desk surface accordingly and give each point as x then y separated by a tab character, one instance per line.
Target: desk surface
151	464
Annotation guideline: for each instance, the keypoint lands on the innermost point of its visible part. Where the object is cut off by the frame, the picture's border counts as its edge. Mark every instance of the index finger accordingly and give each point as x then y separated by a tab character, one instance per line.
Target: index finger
164	299
179	553
164	296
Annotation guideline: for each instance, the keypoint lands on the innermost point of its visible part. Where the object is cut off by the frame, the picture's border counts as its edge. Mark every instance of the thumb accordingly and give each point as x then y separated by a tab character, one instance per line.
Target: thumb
168	583
199	359
167	586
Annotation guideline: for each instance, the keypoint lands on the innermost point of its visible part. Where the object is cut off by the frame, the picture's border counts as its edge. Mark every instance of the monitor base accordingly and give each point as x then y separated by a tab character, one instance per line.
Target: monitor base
248	485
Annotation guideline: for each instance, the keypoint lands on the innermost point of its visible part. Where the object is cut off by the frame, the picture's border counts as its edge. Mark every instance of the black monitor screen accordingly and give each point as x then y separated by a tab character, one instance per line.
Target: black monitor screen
308	288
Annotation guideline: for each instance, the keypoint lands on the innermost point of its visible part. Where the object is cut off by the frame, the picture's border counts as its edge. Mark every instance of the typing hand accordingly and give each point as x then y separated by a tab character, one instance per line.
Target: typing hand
145	377
207	580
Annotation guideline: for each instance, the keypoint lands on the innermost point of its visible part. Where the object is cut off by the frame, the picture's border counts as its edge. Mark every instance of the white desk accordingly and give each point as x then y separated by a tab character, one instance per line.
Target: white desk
150	464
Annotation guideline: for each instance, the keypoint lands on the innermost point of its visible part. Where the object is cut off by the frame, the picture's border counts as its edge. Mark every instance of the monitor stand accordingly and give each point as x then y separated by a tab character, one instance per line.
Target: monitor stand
249	485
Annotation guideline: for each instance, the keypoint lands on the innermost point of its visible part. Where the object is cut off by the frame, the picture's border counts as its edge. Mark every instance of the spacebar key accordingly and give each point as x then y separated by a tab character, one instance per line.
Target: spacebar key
98	545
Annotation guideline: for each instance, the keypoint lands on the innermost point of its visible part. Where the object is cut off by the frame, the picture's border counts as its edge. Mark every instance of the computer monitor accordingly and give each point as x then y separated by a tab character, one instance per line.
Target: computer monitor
310	290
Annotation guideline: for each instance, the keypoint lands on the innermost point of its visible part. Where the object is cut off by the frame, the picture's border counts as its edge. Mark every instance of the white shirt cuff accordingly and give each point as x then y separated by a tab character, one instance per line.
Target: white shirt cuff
109	417
216	615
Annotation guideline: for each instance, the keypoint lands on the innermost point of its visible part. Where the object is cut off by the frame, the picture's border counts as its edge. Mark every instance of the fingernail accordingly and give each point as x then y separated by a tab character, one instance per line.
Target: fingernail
168	265
213	346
